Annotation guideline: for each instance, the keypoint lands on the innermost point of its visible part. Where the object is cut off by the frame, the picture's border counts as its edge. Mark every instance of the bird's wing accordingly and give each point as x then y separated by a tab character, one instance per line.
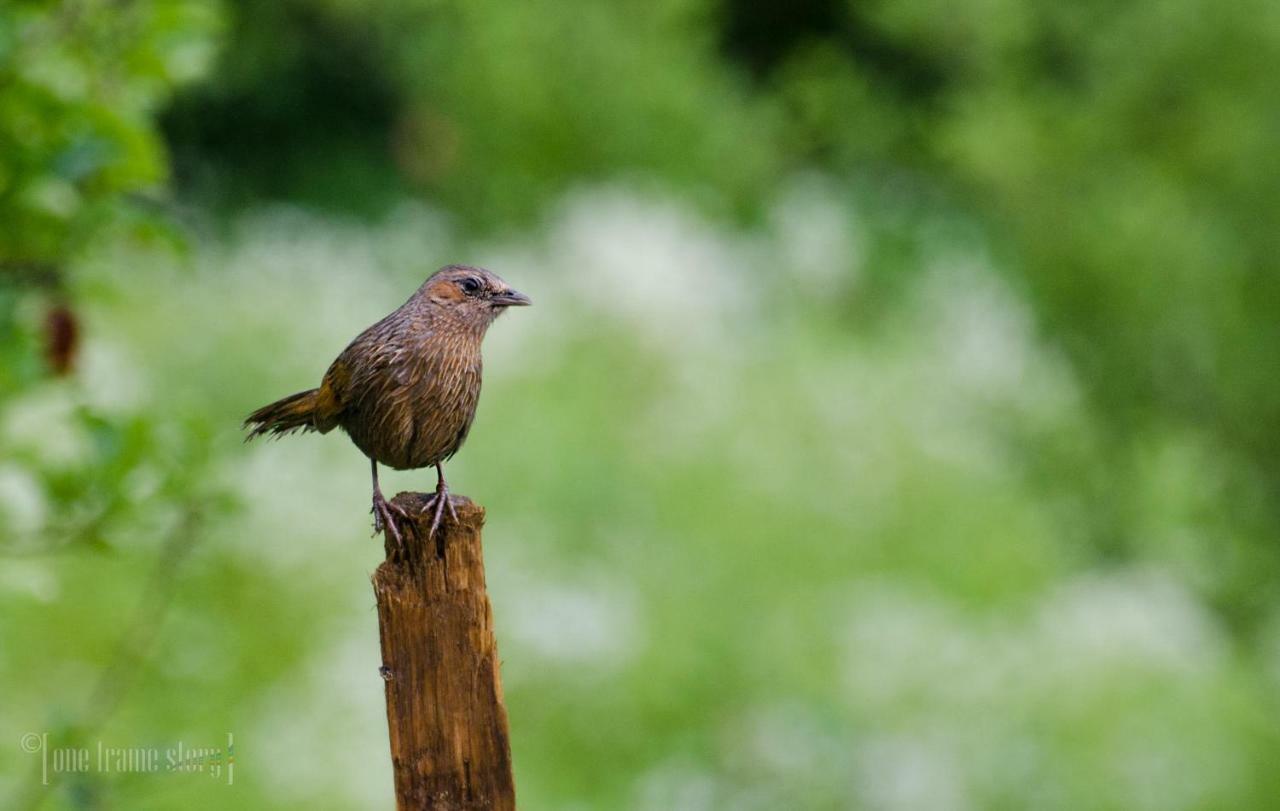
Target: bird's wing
372	363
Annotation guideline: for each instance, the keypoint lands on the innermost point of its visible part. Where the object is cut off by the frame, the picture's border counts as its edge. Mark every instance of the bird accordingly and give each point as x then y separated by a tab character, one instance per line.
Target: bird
405	390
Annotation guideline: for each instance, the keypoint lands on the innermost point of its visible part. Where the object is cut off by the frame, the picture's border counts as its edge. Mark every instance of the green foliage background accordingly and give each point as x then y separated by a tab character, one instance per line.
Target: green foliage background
895	427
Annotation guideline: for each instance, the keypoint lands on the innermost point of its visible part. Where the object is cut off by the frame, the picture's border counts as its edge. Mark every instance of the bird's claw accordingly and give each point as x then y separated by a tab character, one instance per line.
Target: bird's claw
384	518
439	501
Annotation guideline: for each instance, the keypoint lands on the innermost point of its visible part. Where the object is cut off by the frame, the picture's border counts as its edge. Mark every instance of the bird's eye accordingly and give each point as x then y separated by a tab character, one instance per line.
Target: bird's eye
470	286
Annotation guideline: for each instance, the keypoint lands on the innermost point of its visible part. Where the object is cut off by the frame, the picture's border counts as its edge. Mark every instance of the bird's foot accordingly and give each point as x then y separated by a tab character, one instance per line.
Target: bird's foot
385	514
439	501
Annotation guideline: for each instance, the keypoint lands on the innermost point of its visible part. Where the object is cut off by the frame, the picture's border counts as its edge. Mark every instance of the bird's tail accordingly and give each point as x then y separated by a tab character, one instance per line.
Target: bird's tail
294	413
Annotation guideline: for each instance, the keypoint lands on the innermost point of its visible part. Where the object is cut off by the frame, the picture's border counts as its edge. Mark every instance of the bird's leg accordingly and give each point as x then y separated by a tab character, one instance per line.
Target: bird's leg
439	501
385	512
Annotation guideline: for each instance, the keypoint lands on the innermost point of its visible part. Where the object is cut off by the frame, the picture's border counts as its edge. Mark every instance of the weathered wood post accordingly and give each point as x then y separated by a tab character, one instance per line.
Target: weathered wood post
449	744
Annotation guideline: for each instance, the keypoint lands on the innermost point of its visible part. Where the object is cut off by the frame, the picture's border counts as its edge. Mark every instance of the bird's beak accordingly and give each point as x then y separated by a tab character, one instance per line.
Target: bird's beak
510	298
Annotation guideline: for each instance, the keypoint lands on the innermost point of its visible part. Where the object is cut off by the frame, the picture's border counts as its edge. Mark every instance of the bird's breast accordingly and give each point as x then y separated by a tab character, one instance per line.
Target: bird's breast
422	413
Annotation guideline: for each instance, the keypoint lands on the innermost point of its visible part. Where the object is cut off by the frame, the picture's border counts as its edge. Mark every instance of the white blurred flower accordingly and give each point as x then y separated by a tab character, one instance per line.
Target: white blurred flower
979	691
113	381
23	506
815	236
787	742
337	755
1136	619
677	786
289	495
43	421
34	578
654	265
906	773
980	328
984	339
590	624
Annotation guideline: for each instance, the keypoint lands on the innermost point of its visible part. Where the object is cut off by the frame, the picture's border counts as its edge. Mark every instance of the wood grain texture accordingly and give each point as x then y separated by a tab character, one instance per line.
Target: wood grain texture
450	748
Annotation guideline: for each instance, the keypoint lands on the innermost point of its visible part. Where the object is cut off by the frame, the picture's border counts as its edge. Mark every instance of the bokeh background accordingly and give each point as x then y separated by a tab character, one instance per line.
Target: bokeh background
897	426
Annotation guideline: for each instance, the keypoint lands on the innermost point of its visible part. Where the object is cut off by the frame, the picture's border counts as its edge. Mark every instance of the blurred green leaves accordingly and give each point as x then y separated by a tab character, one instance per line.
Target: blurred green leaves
1123	160
487	108
792	487
80	83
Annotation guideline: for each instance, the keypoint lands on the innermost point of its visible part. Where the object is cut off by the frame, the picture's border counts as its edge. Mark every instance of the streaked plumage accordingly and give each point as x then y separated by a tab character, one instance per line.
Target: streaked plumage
405	390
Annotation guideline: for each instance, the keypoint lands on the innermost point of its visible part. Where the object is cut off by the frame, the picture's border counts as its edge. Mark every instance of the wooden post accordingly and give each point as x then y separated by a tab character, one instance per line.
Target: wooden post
449	744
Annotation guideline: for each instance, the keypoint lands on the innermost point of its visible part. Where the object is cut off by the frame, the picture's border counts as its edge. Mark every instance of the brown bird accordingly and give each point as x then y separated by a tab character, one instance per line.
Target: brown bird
405	390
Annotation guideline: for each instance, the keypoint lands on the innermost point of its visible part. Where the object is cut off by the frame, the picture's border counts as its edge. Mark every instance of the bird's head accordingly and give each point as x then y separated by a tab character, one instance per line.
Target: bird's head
473	294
